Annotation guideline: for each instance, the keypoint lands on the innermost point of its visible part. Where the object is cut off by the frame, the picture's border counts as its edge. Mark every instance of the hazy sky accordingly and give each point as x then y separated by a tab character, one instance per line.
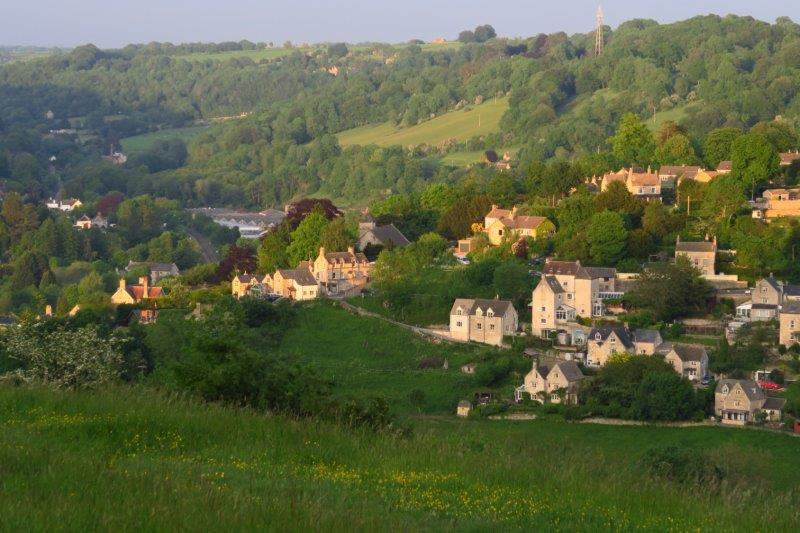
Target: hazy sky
112	23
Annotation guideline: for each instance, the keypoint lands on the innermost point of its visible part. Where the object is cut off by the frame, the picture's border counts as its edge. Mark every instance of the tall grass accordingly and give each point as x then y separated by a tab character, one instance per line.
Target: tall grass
130	459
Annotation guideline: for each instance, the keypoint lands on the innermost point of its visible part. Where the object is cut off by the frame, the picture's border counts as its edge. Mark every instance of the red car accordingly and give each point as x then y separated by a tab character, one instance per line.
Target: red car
769	385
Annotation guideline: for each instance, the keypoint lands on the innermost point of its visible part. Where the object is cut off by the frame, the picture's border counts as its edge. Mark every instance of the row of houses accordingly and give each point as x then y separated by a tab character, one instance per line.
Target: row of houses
334	274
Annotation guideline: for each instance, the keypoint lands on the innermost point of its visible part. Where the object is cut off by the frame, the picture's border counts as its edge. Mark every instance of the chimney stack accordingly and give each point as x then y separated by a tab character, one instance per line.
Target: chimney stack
122	283
143	281
48	311
351	250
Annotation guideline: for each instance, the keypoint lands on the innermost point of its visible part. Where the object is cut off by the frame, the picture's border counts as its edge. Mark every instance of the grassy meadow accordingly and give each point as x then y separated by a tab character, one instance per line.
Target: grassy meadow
459	124
369	356
145	141
132	459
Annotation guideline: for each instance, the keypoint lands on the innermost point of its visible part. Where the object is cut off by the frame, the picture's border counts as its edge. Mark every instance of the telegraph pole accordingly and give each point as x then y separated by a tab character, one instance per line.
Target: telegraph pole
598	37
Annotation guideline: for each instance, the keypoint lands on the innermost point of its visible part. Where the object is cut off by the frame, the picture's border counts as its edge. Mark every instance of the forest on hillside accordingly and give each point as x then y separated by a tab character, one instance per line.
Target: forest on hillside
703	74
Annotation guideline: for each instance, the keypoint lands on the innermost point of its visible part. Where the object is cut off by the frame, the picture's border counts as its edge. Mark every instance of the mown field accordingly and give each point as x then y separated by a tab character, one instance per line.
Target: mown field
141	143
131	459
458	124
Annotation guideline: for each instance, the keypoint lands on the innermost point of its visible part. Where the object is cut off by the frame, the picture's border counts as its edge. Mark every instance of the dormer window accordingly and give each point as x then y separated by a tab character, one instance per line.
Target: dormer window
597	336
724	389
490	313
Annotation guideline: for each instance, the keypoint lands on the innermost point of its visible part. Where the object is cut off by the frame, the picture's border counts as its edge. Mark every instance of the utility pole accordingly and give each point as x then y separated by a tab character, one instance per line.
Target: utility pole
598	37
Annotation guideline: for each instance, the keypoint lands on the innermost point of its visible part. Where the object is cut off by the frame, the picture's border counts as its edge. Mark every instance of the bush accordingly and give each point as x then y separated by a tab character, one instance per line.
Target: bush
682	465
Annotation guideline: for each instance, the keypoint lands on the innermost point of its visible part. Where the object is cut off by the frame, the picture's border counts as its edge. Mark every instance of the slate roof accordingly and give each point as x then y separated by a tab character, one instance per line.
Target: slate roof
389	233
554	284
598	272
605	331
751	388
570	369
791	290
695	246
523	222
564	268
792	307
244	278
470	306
646	335
346	257
153	266
302	276
679	170
776	404
690	352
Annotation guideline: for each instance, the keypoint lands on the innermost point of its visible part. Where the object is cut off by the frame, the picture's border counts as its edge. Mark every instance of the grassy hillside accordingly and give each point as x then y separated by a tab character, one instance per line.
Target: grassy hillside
141	143
461	124
130	459
273	53
369	356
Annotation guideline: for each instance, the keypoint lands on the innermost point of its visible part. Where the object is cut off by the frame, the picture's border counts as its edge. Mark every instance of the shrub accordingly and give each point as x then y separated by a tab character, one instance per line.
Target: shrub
682	465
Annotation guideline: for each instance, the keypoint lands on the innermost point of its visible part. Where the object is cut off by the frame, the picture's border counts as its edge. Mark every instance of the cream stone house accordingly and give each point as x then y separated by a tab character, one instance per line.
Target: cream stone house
777	203
766	299
787	158
133	294
486	321
297	284
242	283
605	341
688	360
789	333
646	185
341	273
551	380
502	224
568	290
738	401
372	234
701	255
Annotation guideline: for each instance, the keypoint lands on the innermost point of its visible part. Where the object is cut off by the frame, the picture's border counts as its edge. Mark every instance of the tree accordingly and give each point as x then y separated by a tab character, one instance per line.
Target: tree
297	211
238	259
676	150
755	160
606	237
466	36
512	281
718	145
336	50
665	396
633	144
456	222
338	235
484	33
272	250
670	290
306	239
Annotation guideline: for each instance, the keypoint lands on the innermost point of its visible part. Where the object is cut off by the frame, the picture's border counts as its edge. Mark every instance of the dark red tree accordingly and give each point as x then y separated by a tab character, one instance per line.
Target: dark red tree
239	259
297	211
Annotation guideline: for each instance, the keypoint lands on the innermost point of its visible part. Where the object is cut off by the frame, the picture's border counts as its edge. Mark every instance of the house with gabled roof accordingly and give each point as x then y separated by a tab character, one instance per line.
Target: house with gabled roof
485	321
242	283
84	222
372	234
738	401
504	224
568	290
688	360
553	380
605	341
787	158
342	273
644	184
133	294
157	271
701	254
725	167
789	332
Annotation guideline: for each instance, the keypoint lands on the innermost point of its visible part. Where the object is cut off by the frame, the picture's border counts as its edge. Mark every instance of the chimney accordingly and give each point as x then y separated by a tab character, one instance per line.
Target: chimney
494	206
145	289
48	310
678	240
122	283
322	250
351	250
513	212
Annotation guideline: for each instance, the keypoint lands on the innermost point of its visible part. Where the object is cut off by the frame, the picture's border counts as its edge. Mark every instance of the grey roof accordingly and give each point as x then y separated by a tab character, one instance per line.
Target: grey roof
605	331
389	233
554	284
791	290
646	335
750	387
792	307
763	306
690	352
695	246
565	268
600	272
774	283
157	267
300	275
470	306
570	370
773	403
244	278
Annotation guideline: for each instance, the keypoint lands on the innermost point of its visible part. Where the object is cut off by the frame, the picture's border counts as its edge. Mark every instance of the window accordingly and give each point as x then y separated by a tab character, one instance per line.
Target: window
458	311
478	326
543	321
791	324
597	336
544	309
490	313
491	327
569	296
459	324
333	275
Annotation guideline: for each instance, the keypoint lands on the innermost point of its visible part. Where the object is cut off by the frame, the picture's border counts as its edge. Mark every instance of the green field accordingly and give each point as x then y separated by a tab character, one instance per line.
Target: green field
463	159
676	114
369	356
461	124
141	143
131	459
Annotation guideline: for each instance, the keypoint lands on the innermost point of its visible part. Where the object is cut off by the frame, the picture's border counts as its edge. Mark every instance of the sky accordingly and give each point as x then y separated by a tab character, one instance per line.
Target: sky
114	23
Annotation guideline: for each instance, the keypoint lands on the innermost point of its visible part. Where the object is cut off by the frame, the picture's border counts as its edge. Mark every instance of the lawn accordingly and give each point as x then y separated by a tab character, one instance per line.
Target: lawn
131	459
464	159
369	356
459	124
676	114
141	143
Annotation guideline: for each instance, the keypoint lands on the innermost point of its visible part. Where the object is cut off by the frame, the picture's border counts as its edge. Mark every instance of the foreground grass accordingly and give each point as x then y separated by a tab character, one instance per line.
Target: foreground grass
145	141
127	459
459	124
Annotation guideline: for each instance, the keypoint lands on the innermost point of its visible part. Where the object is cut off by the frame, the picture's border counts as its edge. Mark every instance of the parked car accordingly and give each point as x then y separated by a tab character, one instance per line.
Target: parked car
462	260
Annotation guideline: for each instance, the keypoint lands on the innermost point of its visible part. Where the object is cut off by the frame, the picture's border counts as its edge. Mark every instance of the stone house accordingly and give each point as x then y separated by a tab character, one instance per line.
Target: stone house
371	234
341	273
500	224
671	174
70	204
605	341
787	158
701	255
766	299
486	321
688	360
789	333
158	271
552	380
242	283
737	402
83	223
777	203
568	290
133	294
295	284
646	185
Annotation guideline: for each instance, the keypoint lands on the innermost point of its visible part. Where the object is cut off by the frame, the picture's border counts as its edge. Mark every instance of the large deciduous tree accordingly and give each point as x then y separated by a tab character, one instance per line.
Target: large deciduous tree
633	144
755	160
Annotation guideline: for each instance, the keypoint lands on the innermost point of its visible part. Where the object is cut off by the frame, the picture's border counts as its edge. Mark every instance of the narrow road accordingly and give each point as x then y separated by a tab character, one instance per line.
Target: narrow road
207	250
